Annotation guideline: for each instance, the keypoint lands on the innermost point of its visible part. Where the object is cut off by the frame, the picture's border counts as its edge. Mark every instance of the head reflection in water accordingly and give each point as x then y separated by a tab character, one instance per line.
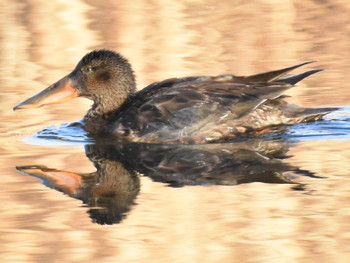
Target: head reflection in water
111	191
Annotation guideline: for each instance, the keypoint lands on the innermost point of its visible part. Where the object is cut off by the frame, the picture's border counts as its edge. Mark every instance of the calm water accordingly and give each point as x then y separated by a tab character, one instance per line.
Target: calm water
281	198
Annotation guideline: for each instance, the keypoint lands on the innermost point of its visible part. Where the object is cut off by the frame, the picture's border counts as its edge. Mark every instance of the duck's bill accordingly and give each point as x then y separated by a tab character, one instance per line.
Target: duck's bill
58	92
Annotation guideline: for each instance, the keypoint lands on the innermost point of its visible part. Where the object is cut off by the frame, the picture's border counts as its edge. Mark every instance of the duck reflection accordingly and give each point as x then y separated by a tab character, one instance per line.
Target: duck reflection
111	191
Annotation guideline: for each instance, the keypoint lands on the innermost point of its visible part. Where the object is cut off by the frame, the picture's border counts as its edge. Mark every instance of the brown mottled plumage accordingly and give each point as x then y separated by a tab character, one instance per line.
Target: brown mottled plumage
180	110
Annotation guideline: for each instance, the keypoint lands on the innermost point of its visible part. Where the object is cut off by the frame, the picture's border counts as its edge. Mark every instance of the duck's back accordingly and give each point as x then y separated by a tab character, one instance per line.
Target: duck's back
209	109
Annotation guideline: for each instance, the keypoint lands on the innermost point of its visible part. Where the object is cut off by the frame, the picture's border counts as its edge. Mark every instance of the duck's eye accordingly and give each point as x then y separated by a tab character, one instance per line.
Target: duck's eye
88	69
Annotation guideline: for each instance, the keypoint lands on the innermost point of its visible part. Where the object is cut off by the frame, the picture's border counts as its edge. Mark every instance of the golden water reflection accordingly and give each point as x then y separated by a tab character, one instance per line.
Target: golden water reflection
42	41
219	222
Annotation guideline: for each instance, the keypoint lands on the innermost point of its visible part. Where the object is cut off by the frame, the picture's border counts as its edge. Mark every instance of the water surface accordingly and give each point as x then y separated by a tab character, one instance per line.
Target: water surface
276	199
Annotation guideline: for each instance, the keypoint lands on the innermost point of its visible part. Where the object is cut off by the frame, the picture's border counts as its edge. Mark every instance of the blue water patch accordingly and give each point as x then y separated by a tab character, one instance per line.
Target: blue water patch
67	134
335	126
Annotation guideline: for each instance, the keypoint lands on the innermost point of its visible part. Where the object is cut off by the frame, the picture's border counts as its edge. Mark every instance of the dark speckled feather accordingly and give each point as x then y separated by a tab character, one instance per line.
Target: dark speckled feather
187	109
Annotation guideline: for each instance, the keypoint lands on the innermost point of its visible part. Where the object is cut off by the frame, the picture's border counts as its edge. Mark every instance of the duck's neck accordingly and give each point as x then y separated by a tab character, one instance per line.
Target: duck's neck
104	110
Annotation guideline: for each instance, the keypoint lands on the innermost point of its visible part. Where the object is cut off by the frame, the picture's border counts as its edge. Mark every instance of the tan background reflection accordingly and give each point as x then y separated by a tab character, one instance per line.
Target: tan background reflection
40	41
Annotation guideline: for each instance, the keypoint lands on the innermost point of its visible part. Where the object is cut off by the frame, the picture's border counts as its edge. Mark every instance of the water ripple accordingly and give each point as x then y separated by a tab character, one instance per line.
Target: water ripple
335	126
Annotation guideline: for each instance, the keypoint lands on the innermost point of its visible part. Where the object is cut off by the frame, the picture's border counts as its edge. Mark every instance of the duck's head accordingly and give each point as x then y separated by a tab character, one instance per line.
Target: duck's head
103	76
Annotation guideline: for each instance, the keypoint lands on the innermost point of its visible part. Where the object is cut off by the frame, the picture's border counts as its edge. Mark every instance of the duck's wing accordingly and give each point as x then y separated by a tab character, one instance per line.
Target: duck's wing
199	109
191	109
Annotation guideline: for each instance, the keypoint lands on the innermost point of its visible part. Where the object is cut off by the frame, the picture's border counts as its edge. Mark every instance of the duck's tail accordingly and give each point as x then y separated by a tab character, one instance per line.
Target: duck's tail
309	114
285	113
294	114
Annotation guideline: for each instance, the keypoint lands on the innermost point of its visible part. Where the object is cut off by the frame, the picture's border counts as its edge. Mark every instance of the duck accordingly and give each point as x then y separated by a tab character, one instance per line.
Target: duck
188	110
